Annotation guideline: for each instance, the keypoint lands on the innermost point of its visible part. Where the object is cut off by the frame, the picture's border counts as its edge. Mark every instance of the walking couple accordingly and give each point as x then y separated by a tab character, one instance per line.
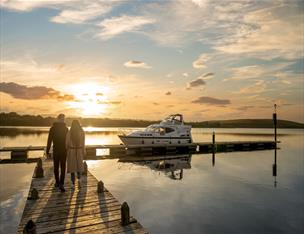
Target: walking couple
68	148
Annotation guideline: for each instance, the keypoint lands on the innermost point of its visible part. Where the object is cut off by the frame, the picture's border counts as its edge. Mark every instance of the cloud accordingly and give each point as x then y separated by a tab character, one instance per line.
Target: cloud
32	93
70	11
109	102
81	15
168	93
200	62
207	75
278	73
267	33
136	64
246	72
195	83
200	3
118	25
25	5
258	87
211	101
29	66
185	74
179	25
244	108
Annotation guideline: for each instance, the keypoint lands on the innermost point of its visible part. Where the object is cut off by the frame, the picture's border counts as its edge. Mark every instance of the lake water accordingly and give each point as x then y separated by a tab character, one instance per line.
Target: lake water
235	195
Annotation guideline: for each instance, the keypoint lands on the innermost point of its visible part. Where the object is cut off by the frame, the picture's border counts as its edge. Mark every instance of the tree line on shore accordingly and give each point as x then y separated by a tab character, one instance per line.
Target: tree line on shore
14	119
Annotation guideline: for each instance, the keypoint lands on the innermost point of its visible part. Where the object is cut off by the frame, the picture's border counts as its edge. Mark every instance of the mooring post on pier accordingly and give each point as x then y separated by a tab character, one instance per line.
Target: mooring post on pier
125	214
33	194
39	169
85	168
100	186
30	228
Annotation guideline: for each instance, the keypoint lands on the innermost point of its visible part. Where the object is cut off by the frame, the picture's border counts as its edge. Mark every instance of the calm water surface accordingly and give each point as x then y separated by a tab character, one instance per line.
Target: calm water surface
235	195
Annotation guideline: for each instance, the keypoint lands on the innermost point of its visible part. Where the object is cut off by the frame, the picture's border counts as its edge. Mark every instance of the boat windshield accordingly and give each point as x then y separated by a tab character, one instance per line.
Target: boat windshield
176	119
156	129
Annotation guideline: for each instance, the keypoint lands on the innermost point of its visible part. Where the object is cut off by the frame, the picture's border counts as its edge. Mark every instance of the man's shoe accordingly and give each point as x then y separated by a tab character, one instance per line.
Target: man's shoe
62	189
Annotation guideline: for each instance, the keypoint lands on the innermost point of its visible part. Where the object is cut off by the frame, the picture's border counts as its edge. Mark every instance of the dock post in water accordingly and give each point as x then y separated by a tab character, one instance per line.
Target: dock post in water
213	148
274	166
274	116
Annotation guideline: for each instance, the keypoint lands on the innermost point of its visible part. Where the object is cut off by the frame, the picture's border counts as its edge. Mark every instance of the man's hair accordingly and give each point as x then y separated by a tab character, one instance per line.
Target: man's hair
61	117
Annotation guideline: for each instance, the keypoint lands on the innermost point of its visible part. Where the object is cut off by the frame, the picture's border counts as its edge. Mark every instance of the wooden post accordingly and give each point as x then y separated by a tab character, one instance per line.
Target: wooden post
213	142
30	228
274	166
33	194
125	214
39	170
100	186
274	116
85	168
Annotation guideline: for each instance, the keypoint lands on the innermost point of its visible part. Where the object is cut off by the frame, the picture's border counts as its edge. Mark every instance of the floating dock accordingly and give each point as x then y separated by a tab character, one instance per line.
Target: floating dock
20	154
89	209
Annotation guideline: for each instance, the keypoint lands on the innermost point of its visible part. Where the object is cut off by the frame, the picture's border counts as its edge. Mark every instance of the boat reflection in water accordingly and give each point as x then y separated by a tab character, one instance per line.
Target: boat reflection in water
171	167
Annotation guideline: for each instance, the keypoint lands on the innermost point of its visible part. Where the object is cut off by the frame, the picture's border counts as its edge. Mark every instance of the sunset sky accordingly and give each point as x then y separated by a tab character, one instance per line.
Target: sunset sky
146	59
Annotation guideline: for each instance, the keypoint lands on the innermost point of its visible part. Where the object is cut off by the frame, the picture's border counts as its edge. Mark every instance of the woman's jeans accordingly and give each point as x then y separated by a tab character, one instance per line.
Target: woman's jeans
73	176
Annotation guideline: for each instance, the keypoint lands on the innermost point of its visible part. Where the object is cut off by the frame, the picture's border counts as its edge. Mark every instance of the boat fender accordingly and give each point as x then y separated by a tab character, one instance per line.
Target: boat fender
143	142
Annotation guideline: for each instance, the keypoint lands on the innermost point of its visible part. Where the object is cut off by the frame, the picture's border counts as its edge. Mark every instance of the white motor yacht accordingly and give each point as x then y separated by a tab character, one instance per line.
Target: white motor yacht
171	130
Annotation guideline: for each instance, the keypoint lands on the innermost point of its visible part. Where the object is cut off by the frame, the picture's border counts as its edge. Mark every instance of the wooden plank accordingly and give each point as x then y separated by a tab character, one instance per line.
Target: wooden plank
46	217
135	228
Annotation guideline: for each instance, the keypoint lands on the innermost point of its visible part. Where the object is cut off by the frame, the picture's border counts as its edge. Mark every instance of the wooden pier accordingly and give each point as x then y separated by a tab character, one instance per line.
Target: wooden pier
20	154
89	209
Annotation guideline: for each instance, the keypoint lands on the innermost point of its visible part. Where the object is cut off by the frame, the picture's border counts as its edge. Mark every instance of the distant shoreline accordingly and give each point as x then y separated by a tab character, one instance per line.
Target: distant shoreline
15	120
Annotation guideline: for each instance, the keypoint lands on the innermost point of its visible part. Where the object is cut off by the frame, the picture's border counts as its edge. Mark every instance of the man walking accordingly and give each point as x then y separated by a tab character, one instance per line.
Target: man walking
57	135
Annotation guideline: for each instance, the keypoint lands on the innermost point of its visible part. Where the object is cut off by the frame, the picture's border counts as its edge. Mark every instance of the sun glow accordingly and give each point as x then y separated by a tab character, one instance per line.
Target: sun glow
91	99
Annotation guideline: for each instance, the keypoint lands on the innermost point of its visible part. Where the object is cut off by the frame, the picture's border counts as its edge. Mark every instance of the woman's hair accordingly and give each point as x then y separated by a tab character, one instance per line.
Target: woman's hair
75	131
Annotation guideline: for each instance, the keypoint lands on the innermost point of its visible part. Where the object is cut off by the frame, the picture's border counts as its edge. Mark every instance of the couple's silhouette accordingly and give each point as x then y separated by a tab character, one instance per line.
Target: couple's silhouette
68	150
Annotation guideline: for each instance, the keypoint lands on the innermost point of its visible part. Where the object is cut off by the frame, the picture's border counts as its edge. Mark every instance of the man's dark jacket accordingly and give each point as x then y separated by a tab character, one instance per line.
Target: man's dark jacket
57	135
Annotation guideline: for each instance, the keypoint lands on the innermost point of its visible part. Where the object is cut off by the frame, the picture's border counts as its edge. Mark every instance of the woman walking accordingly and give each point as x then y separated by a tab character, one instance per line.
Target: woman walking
75	145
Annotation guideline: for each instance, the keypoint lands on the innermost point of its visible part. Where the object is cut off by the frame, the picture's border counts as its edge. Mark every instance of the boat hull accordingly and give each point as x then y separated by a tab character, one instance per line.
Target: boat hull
132	140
